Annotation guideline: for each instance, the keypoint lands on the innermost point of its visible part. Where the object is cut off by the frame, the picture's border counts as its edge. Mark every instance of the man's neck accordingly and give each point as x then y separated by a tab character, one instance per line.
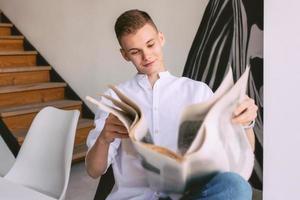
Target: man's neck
153	78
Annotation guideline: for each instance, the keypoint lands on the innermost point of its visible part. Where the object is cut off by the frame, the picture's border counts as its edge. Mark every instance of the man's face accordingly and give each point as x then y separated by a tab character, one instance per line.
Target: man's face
144	50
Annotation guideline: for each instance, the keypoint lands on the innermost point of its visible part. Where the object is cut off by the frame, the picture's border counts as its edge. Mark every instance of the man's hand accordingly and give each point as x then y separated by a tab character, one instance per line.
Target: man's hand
96	158
112	129
246	112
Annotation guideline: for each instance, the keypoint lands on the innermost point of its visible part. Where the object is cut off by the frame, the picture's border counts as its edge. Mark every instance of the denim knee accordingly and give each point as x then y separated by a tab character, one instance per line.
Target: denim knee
234	185
222	186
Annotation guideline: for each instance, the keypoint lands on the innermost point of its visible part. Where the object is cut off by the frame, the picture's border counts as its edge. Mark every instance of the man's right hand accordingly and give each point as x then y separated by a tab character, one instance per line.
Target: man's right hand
112	129
96	158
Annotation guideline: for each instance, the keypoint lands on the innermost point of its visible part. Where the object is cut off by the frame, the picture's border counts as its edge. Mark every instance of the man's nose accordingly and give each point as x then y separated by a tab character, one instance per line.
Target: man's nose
146	55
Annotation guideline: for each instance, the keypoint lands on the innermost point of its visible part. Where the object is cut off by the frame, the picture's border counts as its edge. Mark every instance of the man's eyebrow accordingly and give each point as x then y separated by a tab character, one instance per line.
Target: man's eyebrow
133	49
150	40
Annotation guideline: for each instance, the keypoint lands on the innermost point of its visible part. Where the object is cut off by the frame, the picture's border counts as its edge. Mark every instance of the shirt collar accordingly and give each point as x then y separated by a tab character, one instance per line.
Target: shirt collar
164	74
160	74
142	79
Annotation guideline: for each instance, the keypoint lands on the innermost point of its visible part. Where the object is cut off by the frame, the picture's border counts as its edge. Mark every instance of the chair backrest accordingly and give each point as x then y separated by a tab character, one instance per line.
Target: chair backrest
7	159
44	160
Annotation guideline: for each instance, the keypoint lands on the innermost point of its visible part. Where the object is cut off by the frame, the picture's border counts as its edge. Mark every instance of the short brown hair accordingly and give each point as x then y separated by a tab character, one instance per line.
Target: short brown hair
131	21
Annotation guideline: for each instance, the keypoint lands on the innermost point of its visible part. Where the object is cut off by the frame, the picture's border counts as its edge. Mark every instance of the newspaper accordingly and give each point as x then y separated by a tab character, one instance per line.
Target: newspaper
208	141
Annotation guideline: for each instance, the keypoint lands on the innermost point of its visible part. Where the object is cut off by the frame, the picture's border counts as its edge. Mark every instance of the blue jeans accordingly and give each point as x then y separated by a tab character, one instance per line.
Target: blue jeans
222	186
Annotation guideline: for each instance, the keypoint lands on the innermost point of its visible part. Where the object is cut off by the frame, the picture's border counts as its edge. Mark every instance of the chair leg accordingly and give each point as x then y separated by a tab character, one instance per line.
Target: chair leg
105	185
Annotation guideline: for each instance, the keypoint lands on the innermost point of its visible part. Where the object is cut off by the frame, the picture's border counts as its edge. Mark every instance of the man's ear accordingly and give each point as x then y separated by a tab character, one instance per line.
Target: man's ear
161	38
124	54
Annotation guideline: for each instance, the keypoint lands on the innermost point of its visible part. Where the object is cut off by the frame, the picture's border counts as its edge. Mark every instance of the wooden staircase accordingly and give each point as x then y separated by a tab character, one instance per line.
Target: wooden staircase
26	87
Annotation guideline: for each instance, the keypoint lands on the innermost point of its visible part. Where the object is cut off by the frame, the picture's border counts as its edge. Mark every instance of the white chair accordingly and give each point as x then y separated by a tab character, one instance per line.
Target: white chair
7	159
42	167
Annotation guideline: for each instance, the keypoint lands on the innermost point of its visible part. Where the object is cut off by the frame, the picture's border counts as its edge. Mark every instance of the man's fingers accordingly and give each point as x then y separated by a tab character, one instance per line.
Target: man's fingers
245	118
110	136
112	119
246	104
116	128
118	135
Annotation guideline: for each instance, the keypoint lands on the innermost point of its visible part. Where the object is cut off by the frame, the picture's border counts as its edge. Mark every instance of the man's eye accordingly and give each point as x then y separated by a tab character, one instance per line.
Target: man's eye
151	44
133	52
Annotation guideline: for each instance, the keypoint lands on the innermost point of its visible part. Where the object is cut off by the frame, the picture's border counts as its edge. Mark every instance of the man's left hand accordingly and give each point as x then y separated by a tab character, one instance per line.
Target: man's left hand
245	112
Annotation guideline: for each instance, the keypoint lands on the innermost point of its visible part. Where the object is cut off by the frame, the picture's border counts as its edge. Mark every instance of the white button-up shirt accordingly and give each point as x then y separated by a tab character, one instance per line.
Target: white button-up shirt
161	106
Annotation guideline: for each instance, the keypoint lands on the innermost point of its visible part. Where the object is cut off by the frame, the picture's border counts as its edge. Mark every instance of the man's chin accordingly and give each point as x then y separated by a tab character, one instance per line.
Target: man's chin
149	70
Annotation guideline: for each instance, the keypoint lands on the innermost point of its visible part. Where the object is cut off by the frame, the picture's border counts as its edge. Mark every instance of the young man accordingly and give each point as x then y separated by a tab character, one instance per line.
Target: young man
161	96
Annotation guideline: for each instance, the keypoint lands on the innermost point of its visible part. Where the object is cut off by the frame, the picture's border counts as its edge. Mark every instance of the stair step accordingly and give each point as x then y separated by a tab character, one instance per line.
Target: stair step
28	87
87	123
12	37
31	93
6	25
11	43
79	153
84	128
24	75
17	53
24	69
5	29
36	107
20	117
18	58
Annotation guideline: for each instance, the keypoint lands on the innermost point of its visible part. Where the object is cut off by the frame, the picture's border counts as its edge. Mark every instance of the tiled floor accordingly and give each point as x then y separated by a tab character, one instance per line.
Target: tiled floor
81	186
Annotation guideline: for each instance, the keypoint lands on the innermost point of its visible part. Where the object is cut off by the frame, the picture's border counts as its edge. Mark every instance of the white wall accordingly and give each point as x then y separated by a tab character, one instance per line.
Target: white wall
77	37
282	97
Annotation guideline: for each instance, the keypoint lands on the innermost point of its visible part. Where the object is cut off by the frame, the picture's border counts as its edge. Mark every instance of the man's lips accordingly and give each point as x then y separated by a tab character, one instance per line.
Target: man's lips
149	64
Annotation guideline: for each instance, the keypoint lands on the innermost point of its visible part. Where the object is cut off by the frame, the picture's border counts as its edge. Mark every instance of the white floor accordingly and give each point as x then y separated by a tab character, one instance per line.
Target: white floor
81	186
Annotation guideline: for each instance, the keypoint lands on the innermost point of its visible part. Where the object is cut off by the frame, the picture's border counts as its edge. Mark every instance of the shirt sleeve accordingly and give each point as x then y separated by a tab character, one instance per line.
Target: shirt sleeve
203	92
99	122
207	92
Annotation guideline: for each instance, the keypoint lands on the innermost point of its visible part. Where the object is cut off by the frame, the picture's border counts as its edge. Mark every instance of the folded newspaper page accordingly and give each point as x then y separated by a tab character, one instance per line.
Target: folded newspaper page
208	142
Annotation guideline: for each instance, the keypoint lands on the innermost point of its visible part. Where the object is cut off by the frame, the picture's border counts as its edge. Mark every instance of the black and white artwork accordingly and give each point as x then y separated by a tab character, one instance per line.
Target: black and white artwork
231	34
